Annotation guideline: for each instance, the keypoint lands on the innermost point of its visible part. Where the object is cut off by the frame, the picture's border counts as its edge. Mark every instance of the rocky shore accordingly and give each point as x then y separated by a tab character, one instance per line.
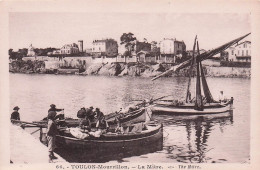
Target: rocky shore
118	69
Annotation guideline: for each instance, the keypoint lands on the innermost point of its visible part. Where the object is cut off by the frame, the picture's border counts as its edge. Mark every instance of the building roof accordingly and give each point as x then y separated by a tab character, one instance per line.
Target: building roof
248	42
144	52
70	45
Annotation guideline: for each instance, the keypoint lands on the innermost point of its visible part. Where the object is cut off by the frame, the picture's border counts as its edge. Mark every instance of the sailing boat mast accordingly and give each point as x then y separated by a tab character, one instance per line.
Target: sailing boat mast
188	94
198	101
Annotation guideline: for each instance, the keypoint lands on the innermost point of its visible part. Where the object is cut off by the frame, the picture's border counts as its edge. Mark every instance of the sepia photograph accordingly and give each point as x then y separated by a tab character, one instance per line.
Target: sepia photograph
129	87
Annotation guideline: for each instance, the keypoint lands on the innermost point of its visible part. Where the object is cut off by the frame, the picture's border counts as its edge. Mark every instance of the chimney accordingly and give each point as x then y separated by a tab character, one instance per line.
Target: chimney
80	45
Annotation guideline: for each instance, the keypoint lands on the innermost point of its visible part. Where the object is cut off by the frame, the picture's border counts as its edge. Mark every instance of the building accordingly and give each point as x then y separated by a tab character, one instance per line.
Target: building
239	52
172	46
142	51
190	52
69	49
31	52
106	47
80	46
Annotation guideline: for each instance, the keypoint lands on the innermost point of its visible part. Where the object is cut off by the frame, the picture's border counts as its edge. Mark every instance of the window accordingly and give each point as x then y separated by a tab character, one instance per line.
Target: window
232	52
237	52
242	52
247	52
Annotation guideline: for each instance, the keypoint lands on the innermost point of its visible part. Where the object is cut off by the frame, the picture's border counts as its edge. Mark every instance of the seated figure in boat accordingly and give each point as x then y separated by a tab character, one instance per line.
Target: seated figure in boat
177	103
85	124
102	124
222	98
119	128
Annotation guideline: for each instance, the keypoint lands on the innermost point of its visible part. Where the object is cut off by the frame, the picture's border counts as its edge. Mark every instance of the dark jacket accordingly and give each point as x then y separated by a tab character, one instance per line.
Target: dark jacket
99	114
82	113
52	129
90	114
15	115
55	109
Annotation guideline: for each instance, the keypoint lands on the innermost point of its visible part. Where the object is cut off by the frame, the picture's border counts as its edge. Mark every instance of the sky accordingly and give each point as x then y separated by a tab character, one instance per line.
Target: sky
44	30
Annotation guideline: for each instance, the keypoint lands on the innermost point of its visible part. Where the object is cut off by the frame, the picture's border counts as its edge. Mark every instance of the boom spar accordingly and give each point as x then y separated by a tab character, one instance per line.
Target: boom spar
201	57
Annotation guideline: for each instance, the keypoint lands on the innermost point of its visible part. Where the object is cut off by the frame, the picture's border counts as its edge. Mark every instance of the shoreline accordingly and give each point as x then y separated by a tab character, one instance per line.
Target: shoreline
147	70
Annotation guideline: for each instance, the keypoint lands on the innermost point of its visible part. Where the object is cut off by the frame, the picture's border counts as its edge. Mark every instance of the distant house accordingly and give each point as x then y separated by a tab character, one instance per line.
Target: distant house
69	49
56	52
170	48
106	47
142	51
31	52
239	52
190	52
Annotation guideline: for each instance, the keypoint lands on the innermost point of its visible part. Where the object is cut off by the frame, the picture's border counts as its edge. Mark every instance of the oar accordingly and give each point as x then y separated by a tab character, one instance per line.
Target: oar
30	123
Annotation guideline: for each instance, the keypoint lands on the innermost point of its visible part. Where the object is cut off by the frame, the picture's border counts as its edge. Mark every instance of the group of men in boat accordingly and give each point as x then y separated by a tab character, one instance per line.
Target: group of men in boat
88	116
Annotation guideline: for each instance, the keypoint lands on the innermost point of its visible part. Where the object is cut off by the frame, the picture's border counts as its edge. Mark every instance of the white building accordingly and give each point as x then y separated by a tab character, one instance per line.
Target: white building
105	47
172	46
99	46
240	52
31	51
69	49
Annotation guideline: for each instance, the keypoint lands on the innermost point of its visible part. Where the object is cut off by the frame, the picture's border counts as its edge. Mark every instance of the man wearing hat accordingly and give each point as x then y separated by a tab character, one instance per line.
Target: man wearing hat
82	113
53	110
51	133
15	115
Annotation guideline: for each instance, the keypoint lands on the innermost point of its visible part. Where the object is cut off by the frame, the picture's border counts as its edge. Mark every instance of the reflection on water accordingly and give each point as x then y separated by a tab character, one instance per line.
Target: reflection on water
198	130
212	138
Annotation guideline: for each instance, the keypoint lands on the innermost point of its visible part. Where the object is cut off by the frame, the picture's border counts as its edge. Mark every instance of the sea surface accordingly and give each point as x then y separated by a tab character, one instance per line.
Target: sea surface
221	138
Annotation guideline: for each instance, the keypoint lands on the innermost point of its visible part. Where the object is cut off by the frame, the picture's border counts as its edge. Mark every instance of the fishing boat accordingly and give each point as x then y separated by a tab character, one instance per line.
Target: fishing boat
133	115
136	135
199	104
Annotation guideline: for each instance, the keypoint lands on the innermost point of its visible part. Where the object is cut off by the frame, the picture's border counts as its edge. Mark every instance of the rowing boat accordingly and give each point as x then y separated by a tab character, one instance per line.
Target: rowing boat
149	134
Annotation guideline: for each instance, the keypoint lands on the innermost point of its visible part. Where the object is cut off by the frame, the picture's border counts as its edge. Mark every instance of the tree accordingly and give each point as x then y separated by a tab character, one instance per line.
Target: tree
128	40
155	51
112	48
23	51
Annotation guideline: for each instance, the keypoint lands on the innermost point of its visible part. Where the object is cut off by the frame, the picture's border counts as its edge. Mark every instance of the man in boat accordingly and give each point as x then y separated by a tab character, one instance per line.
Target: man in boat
90	114
221	97
54	110
85	124
102	124
119	128
99	114
51	133
82	113
15	115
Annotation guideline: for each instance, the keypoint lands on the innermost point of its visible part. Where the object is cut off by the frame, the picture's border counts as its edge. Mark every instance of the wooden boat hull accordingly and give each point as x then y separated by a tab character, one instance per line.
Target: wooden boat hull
189	110
114	142
134	117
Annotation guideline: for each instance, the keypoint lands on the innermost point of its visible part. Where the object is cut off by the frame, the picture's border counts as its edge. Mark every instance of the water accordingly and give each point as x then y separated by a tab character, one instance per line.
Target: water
209	139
